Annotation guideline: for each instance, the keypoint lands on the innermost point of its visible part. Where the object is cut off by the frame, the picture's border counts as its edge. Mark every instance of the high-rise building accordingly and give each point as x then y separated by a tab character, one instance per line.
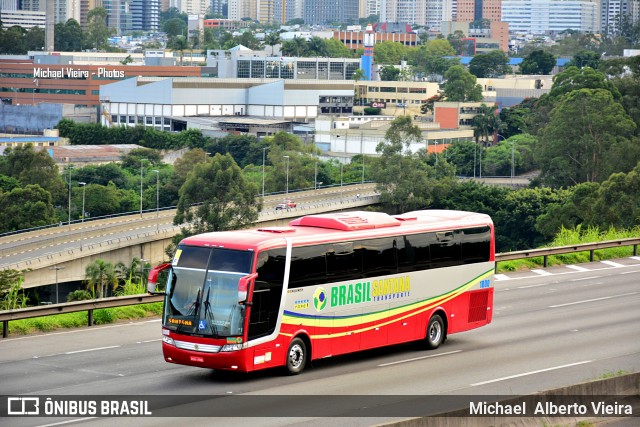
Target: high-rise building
318	12
145	15
545	16
476	10
8	5
611	11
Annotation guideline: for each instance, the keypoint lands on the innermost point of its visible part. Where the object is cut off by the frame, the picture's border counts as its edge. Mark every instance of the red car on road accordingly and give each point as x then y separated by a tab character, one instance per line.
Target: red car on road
286	204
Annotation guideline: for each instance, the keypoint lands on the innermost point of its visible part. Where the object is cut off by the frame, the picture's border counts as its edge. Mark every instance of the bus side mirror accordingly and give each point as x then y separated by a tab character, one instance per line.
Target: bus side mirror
152	280
243	286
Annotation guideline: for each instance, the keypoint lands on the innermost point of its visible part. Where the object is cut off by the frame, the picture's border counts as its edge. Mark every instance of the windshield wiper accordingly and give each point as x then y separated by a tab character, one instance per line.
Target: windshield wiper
192	310
208	314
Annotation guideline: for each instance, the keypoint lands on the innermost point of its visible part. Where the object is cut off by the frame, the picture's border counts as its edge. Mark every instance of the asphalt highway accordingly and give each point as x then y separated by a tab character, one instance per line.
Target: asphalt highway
552	328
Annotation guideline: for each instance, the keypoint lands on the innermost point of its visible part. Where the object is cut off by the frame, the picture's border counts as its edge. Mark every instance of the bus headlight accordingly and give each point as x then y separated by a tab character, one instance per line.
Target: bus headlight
231	347
168	340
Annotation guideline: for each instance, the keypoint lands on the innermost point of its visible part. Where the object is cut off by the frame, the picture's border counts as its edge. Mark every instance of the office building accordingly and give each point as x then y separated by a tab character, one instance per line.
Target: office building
548	16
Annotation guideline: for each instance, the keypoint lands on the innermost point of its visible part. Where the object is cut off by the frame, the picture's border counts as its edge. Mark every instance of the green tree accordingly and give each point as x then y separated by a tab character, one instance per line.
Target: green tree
180	43
455	40
389	73
174	27
538	62
574	78
389	53
336	49
32	167
26	207
618	203
102	200
272	39
294	47
461	85
97	30
99	275
401	177
584	58
486	123
225	201
492	64
34	38
584	138
574	210
517	217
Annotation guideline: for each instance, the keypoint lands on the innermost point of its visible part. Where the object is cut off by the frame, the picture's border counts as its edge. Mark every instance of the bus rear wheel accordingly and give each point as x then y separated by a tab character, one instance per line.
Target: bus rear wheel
296	356
435	332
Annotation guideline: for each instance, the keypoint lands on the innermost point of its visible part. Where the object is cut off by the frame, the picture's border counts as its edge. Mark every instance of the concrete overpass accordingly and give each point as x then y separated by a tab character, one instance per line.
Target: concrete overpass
145	236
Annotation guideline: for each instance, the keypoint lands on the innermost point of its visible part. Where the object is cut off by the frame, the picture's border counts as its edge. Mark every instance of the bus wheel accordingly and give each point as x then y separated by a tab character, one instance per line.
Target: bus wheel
296	356
435	332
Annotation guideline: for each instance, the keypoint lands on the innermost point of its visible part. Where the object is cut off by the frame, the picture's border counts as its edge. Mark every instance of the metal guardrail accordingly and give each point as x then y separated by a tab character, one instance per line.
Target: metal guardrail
70	307
547	252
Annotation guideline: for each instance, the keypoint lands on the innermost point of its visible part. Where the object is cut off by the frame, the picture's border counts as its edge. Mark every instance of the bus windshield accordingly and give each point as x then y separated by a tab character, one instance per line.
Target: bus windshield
202	291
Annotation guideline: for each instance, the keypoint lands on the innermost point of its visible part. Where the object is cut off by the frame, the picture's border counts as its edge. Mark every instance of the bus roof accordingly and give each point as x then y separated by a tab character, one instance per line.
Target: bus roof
340	226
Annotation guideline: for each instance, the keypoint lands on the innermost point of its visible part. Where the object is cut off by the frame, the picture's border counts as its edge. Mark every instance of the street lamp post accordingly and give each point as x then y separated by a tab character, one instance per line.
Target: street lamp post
141	163
142	262
264	153
69	220
512	155
362	154
157	172
287	187
84	187
56	268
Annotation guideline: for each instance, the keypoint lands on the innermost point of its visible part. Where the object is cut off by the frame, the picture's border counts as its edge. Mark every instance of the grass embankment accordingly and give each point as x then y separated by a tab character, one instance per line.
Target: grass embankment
575	237
73	320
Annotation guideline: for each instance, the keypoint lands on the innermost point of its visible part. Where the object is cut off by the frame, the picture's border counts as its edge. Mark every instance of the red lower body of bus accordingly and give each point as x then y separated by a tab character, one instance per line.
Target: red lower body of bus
469	310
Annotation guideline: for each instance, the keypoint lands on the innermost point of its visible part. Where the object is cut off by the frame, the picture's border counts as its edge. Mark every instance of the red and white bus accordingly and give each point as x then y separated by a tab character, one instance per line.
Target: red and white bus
325	285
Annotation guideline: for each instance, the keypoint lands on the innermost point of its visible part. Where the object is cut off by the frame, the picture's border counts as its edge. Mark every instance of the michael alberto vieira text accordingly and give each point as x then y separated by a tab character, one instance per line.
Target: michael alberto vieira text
594	408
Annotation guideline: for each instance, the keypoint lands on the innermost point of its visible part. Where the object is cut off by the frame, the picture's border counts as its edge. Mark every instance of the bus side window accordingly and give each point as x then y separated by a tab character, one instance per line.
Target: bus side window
378	257
308	266
344	262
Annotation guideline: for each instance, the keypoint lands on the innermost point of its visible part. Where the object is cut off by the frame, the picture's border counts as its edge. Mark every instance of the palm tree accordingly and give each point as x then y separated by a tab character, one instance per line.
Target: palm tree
484	123
272	39
99	274
180	44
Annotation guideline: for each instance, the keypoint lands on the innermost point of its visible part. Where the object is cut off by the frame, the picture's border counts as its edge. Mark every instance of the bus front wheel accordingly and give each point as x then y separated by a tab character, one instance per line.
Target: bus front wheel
296	356
435	332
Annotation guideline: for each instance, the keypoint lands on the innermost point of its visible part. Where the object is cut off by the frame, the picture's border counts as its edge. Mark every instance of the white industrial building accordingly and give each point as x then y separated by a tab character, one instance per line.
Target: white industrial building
154	102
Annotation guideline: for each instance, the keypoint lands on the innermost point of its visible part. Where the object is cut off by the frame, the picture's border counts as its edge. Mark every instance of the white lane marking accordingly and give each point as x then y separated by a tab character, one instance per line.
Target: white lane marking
613	264
592	300
630	272
91	349
146	341
584	278
77	420
536	286
530	373
93	328
419	358
637	258
542	272
501	277
577	268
